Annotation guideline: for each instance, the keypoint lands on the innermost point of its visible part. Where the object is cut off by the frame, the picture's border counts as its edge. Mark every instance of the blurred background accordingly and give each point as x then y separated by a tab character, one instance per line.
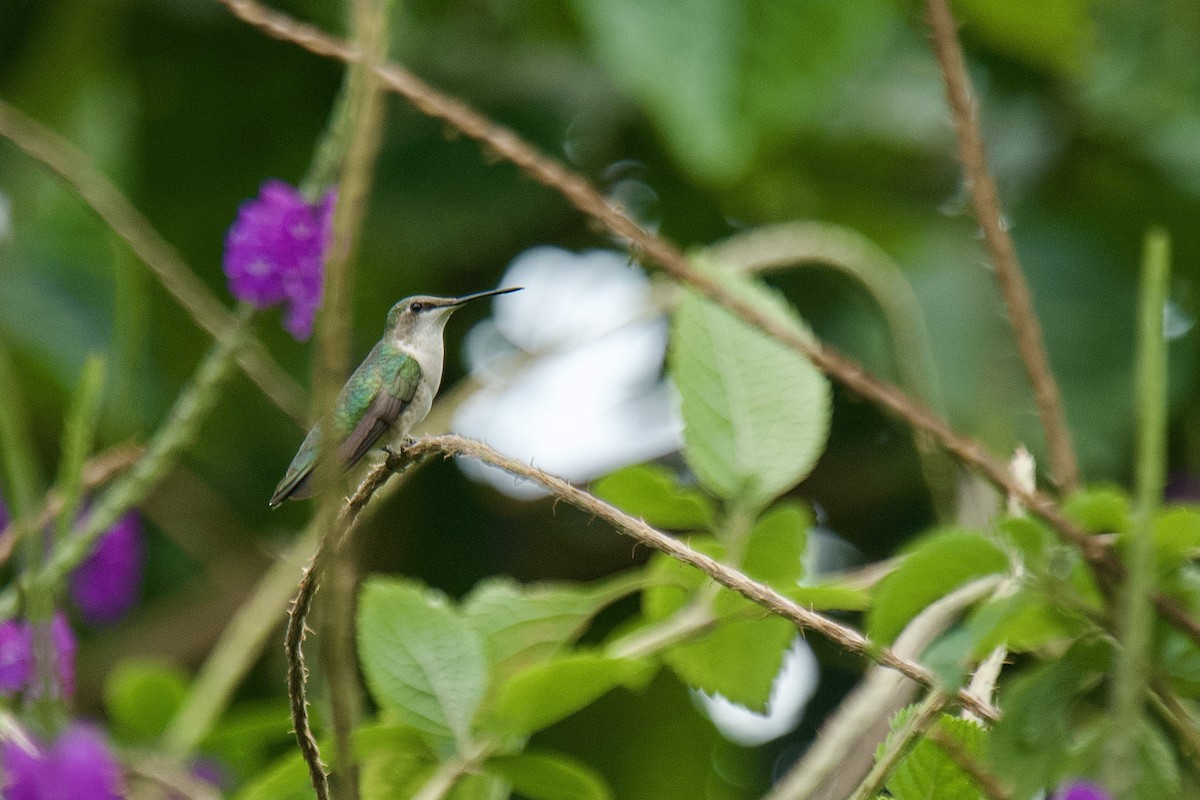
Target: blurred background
705	118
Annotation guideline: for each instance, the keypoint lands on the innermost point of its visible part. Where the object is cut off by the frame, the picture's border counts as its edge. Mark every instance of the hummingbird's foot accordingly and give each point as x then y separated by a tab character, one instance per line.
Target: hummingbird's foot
404	444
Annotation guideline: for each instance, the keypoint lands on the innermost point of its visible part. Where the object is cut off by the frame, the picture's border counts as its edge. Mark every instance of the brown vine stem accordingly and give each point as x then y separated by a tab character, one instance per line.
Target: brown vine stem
549	172
765	596
297	675
451	445
1011	281
76	169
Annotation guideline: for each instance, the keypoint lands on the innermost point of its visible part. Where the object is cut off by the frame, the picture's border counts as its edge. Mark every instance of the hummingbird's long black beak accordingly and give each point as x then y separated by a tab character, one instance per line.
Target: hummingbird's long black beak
458	301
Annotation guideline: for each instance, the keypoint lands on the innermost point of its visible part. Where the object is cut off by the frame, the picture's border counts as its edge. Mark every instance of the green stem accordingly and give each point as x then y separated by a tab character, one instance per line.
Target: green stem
240	645
177	432
48	704
21	472
1137	617
78	436
899	744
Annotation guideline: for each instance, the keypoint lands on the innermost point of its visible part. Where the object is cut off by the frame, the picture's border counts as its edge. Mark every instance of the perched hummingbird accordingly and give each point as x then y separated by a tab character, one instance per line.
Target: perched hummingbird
391	391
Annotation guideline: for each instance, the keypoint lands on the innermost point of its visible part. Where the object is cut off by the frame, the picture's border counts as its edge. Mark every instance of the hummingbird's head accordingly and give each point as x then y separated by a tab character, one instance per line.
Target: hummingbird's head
425	314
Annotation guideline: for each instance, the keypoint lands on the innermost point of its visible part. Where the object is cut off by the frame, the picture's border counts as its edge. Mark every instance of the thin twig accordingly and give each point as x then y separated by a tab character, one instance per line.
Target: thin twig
94	188
583	196
986	202
763	595
987	782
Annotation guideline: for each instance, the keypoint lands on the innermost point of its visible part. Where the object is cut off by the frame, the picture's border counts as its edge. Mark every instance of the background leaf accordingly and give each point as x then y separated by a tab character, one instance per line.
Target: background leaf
545	693
140	697
549	776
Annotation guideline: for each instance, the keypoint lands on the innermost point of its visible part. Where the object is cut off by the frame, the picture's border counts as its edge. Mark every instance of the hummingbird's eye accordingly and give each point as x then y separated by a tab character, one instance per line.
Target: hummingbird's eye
416	308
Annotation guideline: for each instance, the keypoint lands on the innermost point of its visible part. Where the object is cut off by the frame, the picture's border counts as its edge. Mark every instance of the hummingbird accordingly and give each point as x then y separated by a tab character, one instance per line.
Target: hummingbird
392	389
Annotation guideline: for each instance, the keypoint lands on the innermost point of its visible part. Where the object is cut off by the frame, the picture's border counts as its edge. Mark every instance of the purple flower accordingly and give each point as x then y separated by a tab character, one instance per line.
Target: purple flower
4	518
16	655
78	766
275	252
1082	790
106	584
213	772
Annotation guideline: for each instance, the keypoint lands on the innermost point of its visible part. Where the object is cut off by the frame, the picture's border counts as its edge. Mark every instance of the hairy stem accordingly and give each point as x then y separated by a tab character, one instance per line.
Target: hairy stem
986	202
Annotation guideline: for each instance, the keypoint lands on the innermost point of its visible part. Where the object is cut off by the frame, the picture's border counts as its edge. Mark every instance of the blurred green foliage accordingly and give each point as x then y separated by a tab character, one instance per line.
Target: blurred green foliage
733	114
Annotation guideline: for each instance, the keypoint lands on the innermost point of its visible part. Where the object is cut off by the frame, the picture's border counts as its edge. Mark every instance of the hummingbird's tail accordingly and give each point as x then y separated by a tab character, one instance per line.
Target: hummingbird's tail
297	483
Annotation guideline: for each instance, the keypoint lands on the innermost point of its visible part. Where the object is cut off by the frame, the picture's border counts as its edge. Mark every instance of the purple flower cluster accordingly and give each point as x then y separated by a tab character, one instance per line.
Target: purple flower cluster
78	765
275	253
107	583
1082	790
16	655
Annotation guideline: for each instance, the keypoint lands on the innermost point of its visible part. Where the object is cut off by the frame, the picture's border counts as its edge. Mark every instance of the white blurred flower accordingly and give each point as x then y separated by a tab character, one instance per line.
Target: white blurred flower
794	687
571	370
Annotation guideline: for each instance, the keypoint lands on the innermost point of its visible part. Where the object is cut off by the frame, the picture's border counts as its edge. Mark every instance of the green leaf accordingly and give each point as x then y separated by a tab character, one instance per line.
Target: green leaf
681	60
1033	539
739	660
1154	773
1024	621
141	697
524	625
741	657
381	737
421	659
652	492
394	774
1051	35
1176	535
831	597
1030	744
935	565
775	549
927	772
549	776
286	779
1099	511
756	414
545	693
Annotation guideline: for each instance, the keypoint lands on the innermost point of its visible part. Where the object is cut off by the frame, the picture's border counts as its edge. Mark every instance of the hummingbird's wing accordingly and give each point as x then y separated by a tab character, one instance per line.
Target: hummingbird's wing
398	376
370	403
